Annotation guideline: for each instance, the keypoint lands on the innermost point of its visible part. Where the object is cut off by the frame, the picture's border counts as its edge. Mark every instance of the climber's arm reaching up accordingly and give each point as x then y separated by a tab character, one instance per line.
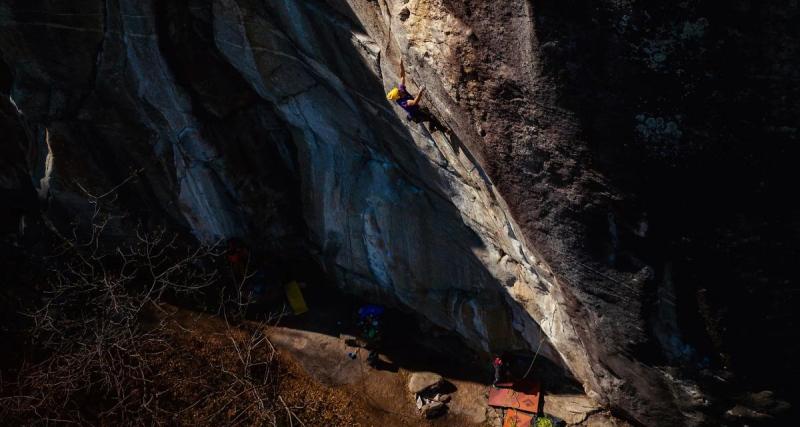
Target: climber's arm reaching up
416	99
401	95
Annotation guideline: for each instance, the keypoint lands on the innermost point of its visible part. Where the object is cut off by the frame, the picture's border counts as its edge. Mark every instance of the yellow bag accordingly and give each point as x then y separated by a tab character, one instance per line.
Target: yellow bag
295	297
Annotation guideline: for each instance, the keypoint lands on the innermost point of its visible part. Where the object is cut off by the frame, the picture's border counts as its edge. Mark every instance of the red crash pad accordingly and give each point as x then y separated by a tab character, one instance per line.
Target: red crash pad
516	418
523	396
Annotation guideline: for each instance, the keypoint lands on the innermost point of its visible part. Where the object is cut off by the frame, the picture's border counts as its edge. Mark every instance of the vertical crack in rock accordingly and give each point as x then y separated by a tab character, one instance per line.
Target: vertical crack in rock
44	183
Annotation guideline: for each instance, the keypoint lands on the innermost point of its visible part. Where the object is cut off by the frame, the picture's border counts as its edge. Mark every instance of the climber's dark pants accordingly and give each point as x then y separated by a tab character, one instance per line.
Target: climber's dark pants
422	115
496	374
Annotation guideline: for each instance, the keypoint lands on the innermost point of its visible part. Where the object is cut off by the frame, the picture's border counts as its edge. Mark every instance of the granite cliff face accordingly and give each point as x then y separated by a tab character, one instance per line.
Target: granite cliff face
607	180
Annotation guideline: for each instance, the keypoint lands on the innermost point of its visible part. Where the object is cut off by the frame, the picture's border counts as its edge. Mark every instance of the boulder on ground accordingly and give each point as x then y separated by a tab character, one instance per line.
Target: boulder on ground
572	408
605	419
740	412
424	381
766	402
433	409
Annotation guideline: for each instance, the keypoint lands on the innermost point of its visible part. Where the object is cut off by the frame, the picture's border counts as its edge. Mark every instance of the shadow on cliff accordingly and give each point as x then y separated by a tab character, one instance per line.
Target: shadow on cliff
219	94
674	101
666	106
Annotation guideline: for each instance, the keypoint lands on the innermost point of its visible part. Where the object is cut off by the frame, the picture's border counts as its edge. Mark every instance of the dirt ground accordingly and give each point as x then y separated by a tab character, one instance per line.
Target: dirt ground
318	343
314	348
209	371
203	370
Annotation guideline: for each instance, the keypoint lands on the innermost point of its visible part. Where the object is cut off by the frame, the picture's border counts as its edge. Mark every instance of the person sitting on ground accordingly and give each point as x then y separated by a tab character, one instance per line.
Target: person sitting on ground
404	99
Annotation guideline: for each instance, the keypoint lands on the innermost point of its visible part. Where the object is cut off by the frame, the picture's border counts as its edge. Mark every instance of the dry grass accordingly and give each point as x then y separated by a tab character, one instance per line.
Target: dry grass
246	381
105	347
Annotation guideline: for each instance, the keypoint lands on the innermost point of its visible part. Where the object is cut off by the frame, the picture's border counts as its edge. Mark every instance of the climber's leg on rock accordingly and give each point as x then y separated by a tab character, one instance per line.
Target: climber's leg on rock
423	115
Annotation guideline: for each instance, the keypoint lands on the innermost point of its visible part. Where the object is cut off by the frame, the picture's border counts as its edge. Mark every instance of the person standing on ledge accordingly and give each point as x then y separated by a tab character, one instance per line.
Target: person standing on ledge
497	363
404	99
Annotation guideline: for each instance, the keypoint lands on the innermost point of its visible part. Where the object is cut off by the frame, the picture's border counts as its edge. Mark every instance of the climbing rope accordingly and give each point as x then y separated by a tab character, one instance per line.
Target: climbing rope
534	359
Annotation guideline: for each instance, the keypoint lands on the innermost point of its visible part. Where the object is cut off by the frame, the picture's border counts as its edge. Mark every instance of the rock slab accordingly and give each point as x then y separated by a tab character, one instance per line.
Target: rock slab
572	408
424	381
433	409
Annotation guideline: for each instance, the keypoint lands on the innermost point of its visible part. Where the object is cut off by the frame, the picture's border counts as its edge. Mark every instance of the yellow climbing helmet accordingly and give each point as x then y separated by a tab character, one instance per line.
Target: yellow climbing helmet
393	94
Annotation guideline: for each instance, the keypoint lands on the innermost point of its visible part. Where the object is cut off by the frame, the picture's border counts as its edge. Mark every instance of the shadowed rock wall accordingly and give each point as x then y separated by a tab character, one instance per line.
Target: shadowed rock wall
589	189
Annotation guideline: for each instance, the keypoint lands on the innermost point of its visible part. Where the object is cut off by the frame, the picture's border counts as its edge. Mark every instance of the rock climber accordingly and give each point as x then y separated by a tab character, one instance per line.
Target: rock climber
497	363
405	100
415	112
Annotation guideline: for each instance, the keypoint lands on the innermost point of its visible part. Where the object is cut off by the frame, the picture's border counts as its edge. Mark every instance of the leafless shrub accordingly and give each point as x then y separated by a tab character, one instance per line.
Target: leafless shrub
235	302
251	378
96	322
109	348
